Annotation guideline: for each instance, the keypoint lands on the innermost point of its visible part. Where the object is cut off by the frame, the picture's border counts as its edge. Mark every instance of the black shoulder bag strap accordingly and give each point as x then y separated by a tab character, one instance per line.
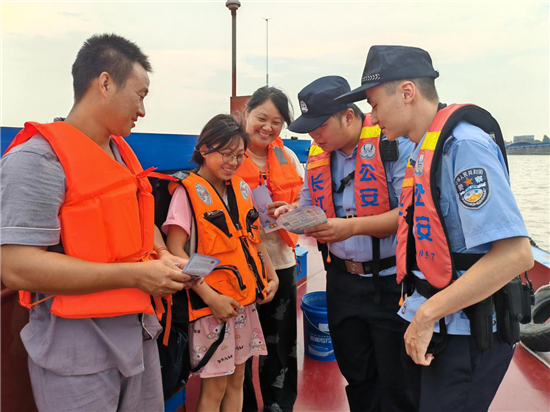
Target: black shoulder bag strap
211	350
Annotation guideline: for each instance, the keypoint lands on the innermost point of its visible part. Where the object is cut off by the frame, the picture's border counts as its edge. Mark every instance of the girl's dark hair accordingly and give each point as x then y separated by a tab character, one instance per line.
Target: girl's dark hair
277	97
220	132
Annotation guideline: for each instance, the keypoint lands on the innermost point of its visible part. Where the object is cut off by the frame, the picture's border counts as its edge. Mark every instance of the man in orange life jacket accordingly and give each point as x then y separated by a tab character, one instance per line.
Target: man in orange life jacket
355	176
77	232
456	202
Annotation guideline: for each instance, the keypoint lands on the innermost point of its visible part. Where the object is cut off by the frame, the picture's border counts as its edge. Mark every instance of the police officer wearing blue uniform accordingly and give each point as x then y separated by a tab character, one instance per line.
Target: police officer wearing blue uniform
362	293
458	187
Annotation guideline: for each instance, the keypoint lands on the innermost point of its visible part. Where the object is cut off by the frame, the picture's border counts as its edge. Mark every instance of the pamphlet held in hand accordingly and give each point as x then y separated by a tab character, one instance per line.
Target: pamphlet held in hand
200	266
263	199
302	218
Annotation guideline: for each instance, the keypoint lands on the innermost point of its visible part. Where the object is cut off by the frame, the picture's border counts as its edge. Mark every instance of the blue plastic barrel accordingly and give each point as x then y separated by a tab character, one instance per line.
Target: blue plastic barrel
317	341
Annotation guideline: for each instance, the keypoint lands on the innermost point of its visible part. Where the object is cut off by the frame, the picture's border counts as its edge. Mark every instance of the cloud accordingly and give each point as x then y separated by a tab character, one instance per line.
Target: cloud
79	16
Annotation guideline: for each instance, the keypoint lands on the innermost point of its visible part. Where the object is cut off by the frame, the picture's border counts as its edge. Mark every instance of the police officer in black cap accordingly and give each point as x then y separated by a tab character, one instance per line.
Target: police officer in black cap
355	176
461	237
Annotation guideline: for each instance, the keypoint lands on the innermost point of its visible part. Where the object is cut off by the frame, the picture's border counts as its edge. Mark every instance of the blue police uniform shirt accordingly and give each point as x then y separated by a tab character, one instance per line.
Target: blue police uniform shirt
473	219
359	248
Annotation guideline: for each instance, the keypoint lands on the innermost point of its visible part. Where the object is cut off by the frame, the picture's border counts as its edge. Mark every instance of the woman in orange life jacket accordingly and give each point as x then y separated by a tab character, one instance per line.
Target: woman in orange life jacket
225	302
271	164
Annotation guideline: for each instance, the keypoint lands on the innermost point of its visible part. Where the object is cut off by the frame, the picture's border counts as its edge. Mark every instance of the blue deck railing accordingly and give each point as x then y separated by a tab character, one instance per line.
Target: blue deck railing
165	151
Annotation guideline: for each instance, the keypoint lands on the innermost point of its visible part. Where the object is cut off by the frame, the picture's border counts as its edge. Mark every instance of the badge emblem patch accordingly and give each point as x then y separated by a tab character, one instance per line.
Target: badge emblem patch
368	151
419	167
303	106
472	186
203	194
244	190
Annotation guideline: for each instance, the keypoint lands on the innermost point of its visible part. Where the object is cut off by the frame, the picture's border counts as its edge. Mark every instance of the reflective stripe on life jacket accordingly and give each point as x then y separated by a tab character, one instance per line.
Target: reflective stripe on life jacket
107	216
282	180
229	234
370	184
421	236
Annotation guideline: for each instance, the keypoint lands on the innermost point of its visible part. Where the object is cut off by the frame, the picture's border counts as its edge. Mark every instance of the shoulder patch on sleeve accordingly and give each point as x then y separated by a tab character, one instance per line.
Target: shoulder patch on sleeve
472	187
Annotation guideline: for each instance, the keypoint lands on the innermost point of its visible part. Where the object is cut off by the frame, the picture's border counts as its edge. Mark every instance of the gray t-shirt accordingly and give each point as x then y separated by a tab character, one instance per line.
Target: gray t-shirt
32	191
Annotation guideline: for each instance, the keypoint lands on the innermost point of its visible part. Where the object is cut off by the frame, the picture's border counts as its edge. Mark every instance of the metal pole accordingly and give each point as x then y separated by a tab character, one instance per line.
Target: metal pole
233	5
234	52
267	52
267	49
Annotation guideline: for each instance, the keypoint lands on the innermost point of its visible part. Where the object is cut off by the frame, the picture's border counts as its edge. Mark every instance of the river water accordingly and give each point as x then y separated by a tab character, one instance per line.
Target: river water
530	178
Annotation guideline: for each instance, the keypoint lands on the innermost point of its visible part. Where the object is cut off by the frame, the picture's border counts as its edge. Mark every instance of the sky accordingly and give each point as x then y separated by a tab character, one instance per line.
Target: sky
493	54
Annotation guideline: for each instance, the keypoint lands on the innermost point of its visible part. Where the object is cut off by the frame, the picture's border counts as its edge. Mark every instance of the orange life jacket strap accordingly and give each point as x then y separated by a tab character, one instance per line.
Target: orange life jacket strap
33	304
146	172
291	239
159	310
150	255
161	175
159	307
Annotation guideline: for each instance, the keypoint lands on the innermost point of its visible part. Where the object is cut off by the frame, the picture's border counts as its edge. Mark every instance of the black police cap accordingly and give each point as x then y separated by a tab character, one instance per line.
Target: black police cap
387	63
317	103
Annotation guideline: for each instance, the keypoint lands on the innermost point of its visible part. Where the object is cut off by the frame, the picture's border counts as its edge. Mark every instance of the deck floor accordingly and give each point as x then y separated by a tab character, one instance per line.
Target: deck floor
321	387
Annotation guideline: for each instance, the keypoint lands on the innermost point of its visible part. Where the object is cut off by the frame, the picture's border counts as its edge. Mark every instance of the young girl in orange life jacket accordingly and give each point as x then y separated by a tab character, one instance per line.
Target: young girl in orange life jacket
219	204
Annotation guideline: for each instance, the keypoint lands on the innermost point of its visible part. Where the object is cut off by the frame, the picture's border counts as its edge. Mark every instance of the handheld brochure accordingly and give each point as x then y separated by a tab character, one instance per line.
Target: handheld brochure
263	200
200	266
302	218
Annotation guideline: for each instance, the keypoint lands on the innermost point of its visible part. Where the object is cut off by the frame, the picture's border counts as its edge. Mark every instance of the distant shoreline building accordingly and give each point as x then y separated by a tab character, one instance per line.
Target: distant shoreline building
526	138
527	145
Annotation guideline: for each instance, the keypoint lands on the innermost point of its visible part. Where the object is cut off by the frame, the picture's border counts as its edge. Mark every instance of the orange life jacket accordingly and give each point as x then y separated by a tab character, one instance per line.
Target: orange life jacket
422	241
107	216
229	236
371	188
281	179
